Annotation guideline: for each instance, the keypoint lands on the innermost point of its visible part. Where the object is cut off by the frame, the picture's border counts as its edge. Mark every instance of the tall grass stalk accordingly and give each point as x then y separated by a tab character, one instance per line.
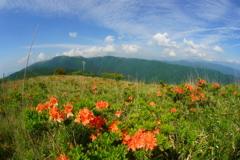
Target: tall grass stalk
28	60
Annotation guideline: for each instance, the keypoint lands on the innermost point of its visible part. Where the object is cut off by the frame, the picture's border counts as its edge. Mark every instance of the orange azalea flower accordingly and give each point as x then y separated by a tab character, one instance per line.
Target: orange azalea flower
150	141
48	105
200	82
193	109
222	94
94	88
159	94
145	140
53	100
59	117
178	91
63	157
92	136
64	93
130	97
216	85
118	113
31	107
152	104
84	116
174	110
126	103
113	126
188	86
97	122
95	92
101	105
70	145
196	95
156	130
126	139
68	109
201	95
159	122
76	98
234	92
40	107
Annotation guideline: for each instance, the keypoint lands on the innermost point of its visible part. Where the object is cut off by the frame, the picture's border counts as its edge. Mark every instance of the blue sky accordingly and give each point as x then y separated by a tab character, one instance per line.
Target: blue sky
153	29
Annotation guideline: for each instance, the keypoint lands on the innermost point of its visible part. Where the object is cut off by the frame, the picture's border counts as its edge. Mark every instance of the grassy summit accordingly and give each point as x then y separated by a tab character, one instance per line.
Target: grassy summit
76	117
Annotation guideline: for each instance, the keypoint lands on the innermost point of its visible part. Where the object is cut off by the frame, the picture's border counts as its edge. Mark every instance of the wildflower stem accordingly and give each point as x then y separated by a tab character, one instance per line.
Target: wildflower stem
28	60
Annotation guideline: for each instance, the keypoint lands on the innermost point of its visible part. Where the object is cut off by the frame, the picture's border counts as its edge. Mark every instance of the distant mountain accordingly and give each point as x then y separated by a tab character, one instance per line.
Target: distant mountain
206	65
33	71
148	71
228	64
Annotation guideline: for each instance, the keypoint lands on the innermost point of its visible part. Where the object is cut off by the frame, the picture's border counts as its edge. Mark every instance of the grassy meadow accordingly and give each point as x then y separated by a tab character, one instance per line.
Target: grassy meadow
83	118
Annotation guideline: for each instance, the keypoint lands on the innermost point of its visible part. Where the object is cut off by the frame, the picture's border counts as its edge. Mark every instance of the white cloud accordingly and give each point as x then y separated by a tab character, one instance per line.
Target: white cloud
24	59
120	37
109	48
91	52
169	52
41	57
195	46
72	34
233	61
161	40
130	48
190	50
109	39
194	52
218	49
3	3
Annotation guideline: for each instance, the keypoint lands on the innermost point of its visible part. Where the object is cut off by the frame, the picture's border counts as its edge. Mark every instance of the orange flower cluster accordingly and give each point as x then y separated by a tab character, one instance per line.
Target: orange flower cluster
152	104
159	94
141	139
193	109
189	87
130	98
174	110
196	95
87	118
52	107
216	85
94	89
234	93
200	82
118	113
101	105
63	157
113	126
178	91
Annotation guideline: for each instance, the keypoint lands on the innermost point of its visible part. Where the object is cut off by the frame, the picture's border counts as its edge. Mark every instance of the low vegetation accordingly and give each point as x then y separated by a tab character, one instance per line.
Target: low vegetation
80	118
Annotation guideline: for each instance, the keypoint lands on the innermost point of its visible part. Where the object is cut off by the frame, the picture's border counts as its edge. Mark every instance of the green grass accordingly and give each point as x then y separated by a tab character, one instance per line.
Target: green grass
207	128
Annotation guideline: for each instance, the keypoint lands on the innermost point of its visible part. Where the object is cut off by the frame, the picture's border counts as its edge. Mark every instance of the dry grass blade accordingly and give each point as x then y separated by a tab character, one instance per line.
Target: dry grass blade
28	60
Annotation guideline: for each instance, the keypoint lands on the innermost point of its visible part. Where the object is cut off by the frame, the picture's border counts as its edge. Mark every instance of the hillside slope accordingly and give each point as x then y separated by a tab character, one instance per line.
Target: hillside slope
207	65
134	69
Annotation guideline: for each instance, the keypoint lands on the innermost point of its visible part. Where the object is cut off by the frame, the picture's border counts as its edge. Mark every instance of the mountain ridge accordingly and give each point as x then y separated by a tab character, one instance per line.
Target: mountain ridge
149	71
